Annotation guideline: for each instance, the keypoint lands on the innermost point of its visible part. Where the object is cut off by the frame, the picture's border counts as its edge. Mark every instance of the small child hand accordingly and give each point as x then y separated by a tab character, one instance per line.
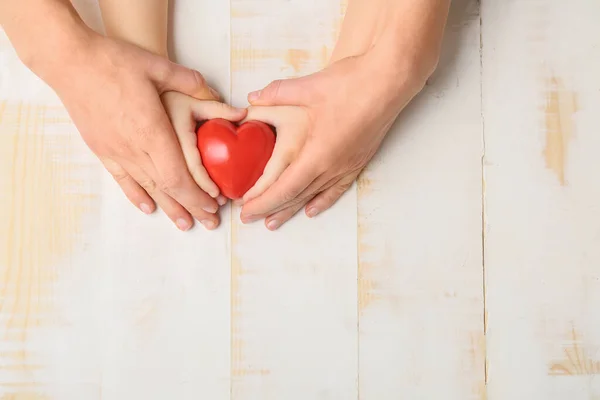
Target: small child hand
184	112
292	125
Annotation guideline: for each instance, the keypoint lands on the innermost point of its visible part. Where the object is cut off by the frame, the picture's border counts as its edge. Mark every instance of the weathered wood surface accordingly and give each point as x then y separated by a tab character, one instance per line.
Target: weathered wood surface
467	253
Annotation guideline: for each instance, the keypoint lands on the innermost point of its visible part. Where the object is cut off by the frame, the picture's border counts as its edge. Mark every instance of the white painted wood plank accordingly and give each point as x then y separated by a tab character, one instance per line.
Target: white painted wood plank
129	306
541	99
48	219
419	231
293	290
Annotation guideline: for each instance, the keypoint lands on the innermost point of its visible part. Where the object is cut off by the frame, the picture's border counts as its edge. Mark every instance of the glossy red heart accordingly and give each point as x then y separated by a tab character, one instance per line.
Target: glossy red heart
235	156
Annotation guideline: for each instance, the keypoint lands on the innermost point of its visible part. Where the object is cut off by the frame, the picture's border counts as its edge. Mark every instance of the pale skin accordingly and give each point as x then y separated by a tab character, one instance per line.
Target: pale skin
331	124
393	45
386	51
144	23
113	92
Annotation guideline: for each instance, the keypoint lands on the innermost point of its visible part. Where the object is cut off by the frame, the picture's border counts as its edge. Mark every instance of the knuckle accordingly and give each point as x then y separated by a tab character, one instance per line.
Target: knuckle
273	89
347	182
358	163
331	196
340	190
172	183
119	175
144	134
148	184
122	150
199	78
163	71
291	198
289	155
200	213
120	147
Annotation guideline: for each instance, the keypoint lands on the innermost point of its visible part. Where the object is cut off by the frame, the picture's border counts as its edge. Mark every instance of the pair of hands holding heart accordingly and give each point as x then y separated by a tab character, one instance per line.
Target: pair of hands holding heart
141	121
303	141
243	158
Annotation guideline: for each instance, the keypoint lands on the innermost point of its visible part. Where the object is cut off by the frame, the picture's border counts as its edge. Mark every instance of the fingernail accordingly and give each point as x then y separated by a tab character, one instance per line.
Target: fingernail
208	224
272	224
222	200
311	212
238	202
254	95
182	224
145	208
211	210
246	219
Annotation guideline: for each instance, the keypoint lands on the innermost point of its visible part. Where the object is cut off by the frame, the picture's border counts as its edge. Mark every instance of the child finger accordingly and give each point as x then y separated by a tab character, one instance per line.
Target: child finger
279	161
188	141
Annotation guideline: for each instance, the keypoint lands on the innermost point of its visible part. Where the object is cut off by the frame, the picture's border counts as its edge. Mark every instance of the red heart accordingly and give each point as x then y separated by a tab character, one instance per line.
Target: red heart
235	157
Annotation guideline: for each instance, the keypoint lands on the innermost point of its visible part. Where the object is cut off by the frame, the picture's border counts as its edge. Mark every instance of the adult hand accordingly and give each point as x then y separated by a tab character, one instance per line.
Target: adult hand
112	94
348	109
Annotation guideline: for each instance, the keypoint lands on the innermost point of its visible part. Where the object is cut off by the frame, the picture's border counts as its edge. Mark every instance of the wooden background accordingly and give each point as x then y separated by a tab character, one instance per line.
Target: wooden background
464	264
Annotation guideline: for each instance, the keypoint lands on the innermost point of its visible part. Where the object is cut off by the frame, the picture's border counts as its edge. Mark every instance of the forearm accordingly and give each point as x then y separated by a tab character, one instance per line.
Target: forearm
46	34
140	22
401	33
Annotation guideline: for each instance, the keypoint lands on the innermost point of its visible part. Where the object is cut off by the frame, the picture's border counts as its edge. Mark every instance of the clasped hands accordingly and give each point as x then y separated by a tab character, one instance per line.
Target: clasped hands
141	120
328	128
329	125
137	110
319	149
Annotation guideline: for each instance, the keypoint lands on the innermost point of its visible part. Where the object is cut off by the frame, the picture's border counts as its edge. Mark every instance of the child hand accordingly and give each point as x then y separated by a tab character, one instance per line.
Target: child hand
184	112
292	125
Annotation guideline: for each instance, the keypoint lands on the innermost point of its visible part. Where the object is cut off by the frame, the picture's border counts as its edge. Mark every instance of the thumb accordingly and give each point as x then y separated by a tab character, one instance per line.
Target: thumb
177	78
282	92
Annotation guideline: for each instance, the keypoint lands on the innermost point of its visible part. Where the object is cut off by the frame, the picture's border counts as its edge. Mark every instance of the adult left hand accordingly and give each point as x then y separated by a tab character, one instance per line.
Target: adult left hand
348	109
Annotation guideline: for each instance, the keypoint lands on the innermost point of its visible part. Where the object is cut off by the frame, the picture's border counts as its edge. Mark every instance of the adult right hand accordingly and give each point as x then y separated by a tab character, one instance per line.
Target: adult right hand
112	92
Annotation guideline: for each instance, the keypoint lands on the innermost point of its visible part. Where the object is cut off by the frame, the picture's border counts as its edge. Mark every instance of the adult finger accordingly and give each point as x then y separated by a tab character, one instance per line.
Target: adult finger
169	76
170	171
290	140
279	218
297	177
176	181
132	190
318	185
173	210
328	197
202	110
283	92
206	217
221	200
288	210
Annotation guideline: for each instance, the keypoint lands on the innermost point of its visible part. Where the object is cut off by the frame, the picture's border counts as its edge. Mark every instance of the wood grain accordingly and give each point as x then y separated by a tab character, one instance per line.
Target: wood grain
419	231
294	290
130	306
540	101
44	207
464	264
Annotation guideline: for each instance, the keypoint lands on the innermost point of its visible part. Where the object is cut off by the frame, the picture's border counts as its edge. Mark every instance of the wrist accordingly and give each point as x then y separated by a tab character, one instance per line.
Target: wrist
406	53
143	23
390	80
399	41
57	45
